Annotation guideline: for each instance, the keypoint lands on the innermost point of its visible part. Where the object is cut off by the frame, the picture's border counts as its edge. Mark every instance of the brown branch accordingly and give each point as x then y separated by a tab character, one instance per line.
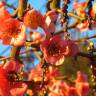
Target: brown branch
15	53
75	16
22	5
4	58
22	52
86	55
73	25
72	14
86	4
10	6
54	4
26	51
14	15
86	38
22	8
48	5
79	40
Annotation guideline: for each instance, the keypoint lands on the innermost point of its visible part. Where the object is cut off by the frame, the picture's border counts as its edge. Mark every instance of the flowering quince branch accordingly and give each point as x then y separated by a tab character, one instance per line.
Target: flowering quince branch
72	14
15	53
21	52
86	55
76	16
82	39
64	11
21	8
11	75
53	4
86	4
46	78
79	54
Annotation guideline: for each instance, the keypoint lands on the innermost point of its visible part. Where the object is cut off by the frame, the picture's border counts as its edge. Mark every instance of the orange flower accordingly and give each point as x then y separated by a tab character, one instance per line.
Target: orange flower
50	20
79	7
12	32
37	36
52	15
4	83
93	11
83	26
4	14
52	73
2	4
33	19
8	75
81	84
56	88
71	48
61	88
36	73
53	49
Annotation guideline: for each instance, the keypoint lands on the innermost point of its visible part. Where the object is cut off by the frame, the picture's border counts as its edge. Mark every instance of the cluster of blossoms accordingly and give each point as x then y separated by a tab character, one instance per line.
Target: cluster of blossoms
8	75
54	50
81	11
12	31
80	86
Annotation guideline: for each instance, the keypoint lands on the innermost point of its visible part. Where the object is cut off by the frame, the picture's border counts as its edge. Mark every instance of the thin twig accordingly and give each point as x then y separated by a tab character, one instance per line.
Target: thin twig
22	52
86	4
86	55
86	38
75	16
11	6
79	40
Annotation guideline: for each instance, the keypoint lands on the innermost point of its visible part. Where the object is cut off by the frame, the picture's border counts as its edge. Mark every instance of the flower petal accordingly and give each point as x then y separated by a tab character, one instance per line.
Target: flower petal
20	39
12	66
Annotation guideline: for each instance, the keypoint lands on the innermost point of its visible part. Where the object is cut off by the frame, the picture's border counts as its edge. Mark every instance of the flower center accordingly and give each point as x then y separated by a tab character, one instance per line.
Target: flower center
12	76
11	28
54	49
13	32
